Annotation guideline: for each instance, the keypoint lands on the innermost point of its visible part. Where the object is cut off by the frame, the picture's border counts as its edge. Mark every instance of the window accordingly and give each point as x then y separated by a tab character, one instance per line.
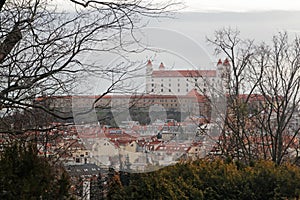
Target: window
178	90
162	85
152	90
162	90
178	84
152	85
169	84
169	90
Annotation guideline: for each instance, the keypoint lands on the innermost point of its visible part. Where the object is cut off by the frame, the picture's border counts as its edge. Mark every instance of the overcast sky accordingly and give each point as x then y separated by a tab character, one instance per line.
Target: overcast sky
183	38
226	5
241	5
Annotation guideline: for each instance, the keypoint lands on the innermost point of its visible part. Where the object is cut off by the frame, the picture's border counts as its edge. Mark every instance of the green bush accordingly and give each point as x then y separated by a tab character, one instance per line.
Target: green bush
217	179
24	175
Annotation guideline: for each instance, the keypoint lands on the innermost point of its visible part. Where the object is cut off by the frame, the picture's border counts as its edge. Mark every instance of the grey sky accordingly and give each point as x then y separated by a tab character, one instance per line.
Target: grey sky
183	38
241	5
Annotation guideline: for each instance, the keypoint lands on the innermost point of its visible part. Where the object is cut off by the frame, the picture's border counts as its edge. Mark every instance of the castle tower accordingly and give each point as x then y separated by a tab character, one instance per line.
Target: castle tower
149	70
220	68
161	66
223	74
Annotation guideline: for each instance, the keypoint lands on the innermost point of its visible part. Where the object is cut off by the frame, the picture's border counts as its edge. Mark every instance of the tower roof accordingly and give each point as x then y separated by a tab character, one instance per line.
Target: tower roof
219	62
226	62
149	63
161	66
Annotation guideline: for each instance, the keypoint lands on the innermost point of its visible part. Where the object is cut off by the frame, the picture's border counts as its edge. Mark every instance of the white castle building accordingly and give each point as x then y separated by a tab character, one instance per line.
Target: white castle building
180	82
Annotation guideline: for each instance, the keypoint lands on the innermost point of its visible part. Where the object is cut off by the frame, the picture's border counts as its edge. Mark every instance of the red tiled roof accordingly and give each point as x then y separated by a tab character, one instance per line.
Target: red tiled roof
252	97
184	73
149	63
199	97
226	62
219	62
161	66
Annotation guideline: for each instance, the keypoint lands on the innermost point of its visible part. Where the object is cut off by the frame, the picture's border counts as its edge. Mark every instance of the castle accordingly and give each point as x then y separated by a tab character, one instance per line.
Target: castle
181	82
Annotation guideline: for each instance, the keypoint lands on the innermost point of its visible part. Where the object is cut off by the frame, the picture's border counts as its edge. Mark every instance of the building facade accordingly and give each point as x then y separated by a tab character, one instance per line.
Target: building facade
179	82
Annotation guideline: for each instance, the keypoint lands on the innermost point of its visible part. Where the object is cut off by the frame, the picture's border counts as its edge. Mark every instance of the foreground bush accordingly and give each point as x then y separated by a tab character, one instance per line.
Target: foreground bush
215	180
24	175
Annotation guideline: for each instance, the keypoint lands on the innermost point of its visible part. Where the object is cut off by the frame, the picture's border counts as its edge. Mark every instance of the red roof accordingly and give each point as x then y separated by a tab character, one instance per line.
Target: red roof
199	97
149	63
226	62
219	62
252	97
161	66
184	73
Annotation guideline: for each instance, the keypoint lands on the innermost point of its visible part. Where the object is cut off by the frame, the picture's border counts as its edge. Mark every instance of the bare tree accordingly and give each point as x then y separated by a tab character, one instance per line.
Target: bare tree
263	100
239	54
280	87
41	52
